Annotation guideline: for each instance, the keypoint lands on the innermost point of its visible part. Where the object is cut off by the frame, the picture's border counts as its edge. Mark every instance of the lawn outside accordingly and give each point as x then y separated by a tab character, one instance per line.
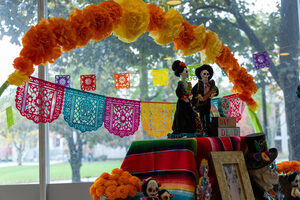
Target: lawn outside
58	172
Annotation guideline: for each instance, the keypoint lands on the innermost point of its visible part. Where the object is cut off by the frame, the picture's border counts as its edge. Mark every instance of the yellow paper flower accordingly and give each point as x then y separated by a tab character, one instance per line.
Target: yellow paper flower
17	78
213	48
197	43
170	28
134	21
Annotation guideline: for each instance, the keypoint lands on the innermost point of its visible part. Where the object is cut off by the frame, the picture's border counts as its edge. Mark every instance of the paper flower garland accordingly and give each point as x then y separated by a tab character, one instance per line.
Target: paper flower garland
127	19
88	82
63	80
261	60
122	80
160	77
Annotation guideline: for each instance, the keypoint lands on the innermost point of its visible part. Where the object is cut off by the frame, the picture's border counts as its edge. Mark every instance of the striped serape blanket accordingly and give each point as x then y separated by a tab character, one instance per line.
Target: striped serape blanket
175	163
170	162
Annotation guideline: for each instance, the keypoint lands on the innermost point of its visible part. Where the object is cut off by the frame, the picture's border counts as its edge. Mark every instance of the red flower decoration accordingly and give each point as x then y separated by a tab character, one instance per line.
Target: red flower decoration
181	64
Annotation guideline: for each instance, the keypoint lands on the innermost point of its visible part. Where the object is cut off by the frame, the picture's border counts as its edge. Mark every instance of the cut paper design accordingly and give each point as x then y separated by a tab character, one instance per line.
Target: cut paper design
191	70
236	108
63	80
83	111
160	77
122	80
261	60
214	107
39	100
88	82
157	118
122	117
9	117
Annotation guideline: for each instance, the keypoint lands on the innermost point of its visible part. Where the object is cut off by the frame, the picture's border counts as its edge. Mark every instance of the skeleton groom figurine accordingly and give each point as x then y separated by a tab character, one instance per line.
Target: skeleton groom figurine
202	92
261	167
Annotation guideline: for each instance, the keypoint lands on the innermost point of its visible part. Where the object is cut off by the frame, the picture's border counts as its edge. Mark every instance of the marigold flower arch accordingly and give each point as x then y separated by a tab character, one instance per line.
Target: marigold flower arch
127	19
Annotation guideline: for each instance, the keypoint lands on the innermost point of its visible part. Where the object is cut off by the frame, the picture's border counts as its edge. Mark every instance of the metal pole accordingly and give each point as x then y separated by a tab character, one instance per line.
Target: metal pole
43	127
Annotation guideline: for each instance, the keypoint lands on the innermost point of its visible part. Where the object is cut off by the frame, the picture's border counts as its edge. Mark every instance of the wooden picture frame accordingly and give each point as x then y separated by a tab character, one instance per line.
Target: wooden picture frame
232	175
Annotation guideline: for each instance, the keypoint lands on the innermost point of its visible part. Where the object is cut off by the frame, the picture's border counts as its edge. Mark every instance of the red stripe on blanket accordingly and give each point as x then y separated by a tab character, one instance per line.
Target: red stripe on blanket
170	160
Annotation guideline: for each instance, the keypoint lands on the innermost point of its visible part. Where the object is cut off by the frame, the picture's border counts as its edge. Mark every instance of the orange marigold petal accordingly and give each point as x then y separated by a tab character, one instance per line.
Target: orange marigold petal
157	17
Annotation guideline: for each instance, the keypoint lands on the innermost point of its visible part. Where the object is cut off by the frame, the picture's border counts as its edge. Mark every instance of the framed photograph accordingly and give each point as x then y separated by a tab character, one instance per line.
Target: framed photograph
232	175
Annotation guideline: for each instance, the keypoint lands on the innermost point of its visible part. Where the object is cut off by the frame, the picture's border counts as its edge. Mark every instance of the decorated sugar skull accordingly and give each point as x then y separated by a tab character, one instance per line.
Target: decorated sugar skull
150	187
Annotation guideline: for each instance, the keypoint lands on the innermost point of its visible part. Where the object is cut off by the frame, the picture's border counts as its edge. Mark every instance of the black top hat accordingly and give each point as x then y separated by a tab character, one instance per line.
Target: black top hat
292	176
204	67
258	155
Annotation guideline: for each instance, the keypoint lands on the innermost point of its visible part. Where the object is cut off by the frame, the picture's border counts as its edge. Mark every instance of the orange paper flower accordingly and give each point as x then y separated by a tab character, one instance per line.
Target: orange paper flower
185	37
114	10
101	24
39	44
287	167
243	83
24	65
157	17
64	33
81	26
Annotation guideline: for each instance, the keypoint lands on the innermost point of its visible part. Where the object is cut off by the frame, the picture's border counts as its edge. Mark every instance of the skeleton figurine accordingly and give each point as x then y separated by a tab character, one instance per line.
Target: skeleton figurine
164	195
202	92
261	167
150	188
294	178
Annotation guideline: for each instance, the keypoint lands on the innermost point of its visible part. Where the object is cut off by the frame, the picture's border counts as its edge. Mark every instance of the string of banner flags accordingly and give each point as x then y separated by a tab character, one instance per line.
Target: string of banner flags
160	76
43	101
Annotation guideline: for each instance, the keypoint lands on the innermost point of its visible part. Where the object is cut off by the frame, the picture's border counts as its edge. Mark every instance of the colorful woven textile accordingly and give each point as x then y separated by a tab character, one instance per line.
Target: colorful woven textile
175	163
83	111
157	118
39	100
122	117
160	77
170	162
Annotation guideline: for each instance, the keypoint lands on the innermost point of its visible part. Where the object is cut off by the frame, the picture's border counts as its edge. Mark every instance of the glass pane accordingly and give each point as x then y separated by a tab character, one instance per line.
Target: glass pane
19	159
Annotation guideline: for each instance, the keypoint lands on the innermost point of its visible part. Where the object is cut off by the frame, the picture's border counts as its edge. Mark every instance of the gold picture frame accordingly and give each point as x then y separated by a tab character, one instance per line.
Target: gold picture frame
232	175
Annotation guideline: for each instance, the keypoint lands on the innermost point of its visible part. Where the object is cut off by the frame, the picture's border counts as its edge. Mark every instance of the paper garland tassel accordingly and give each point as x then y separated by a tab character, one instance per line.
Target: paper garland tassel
39	100
9	117
83	111
88	82
122	80
157	118
191	70
122	117
42	101
261	60
64	80
160	77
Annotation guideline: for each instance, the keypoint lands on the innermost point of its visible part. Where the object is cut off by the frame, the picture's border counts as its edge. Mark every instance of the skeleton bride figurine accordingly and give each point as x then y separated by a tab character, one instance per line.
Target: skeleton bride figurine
184	118
202	92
